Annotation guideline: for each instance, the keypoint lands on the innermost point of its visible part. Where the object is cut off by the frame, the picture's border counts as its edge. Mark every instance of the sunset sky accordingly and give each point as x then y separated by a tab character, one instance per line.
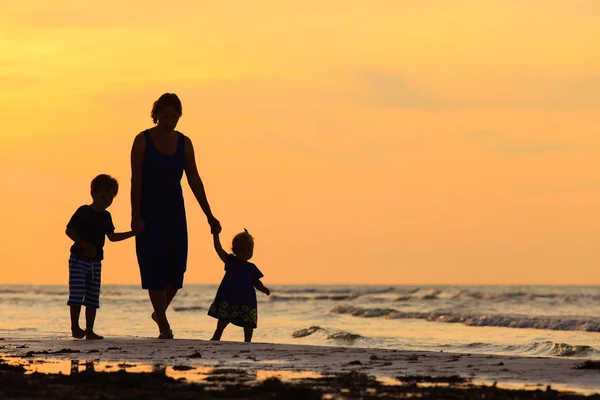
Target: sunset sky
382	141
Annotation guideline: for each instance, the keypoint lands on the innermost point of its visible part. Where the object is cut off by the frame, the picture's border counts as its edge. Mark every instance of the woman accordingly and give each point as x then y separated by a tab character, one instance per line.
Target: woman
159	156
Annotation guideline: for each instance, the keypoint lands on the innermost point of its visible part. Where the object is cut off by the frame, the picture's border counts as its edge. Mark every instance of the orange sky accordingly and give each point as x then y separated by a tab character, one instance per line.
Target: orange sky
389	141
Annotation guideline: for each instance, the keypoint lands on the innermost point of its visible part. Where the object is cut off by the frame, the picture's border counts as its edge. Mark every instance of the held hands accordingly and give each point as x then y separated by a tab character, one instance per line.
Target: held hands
137	225
266	291
215	225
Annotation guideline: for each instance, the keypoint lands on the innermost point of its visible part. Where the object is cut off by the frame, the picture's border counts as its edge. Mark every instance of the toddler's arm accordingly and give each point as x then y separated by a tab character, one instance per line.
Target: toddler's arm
260	287
118	236
222	253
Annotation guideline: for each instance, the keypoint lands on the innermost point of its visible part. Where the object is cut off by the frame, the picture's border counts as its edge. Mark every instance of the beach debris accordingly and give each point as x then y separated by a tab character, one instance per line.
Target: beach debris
94	351
125	365
22	347
431	379
114	349
33	353
182	368
374	357
195	354
355	362
66	351
500	363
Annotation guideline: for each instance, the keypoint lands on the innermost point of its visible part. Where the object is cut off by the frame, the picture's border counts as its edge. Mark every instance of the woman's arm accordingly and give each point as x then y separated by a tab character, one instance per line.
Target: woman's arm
137	159
193	178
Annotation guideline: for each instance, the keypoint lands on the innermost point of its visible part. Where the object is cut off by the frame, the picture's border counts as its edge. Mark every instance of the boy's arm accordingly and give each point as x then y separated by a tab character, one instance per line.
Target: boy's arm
118	236
259	286
78	240
222	253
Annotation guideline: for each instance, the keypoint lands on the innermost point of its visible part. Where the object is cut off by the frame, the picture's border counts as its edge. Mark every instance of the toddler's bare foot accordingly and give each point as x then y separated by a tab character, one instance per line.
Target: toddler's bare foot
77	333
166	335
93	336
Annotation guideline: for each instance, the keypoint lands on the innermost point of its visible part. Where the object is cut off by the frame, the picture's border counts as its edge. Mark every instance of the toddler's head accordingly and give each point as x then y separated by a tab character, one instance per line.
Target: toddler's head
243	245
104	189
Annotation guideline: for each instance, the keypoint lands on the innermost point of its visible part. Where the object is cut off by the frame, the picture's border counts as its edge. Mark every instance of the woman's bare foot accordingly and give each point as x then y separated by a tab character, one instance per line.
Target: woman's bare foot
167	334
93	336
77	333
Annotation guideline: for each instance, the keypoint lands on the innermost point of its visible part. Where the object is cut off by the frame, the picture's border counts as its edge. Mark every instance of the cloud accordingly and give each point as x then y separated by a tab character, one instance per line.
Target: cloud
505	145
394	90
387	89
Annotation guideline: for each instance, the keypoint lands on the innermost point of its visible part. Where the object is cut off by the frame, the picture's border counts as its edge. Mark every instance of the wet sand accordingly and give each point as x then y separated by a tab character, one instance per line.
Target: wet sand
119	368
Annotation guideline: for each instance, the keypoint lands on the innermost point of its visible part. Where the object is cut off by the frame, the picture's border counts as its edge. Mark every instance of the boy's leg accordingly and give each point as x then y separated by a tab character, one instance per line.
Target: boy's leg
92	299
76	330
90	318
77	277
221	325
248	331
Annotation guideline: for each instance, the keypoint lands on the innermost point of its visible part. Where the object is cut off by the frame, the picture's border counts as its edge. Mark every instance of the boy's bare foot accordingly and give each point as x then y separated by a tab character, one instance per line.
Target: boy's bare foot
77	333
93	336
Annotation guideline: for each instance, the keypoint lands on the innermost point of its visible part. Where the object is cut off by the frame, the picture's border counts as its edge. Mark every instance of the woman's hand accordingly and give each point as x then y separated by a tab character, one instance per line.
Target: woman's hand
215	225
137	225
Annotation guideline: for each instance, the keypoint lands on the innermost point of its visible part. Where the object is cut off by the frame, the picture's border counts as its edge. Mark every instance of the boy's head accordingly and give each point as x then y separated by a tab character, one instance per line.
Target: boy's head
104	189
243	245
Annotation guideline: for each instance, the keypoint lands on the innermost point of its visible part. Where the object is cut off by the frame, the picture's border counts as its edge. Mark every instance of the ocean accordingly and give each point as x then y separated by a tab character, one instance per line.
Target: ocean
508	320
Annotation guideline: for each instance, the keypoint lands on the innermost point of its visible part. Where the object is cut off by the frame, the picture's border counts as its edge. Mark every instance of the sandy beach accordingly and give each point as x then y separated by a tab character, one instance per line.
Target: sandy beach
332	369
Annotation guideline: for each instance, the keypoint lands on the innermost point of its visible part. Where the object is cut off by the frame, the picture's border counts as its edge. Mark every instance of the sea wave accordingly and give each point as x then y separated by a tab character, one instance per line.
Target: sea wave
190	308
543	349
339	297
507	321
328	334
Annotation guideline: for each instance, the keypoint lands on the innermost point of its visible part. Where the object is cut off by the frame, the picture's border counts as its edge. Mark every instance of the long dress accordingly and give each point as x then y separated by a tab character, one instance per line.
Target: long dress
162	247
235	300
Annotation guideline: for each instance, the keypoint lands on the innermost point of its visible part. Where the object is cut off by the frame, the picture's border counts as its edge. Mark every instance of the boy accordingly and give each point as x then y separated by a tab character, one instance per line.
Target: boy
88	228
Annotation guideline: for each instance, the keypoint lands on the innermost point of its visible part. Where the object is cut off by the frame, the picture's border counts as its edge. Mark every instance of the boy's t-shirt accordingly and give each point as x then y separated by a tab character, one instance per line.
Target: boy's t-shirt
92	226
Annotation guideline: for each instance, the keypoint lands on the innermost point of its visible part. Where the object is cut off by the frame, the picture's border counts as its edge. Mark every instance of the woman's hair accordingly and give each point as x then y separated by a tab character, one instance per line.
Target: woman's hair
104	182
242	238
167	99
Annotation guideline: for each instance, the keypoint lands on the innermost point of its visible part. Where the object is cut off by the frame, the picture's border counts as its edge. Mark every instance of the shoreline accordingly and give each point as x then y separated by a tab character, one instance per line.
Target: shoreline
198	360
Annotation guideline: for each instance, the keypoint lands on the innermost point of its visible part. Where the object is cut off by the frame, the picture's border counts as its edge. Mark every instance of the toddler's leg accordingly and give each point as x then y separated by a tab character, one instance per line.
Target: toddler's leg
221	325
248	331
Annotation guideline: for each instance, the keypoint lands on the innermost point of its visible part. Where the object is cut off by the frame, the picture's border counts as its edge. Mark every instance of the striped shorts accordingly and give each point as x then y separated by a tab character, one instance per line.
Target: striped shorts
84	282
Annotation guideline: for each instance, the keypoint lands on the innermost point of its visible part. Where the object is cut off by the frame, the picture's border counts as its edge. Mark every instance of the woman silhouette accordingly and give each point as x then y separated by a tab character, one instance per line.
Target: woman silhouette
159	156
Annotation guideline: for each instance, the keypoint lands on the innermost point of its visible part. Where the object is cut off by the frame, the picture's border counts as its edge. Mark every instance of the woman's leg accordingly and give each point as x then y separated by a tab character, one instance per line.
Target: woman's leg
159	303
169	296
